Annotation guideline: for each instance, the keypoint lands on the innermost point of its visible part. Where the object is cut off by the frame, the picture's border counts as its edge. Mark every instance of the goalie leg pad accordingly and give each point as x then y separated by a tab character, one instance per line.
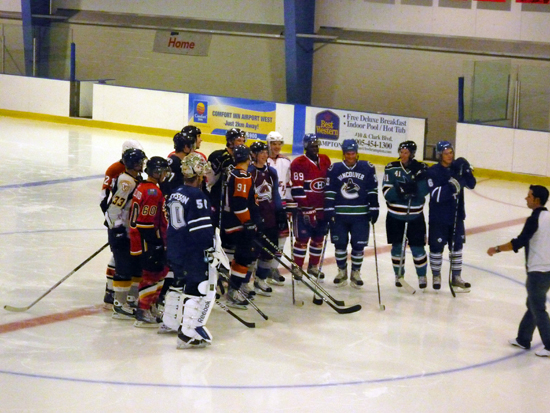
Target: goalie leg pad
173	308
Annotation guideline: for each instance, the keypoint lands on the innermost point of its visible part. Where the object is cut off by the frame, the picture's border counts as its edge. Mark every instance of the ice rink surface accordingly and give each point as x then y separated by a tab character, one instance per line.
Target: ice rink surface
427	352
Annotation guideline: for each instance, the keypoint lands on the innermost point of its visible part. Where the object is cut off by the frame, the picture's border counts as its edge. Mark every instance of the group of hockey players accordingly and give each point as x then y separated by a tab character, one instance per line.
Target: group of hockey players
199	228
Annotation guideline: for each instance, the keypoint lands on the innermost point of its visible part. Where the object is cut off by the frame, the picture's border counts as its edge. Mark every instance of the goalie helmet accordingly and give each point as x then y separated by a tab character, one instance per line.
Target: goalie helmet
309	138
410	145
241	153
274	137
440	148
182	141
131	144
131	158
233	134
194	165
350	145
156	166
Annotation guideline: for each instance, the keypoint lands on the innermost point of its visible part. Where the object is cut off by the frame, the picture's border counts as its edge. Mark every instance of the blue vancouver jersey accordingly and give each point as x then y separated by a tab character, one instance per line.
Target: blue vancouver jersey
397	205
190	229
443	201
351	190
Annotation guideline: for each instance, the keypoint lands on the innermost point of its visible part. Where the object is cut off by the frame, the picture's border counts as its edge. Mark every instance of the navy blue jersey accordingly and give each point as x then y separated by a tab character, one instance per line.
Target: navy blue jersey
351	190
266	185
443	196
190	229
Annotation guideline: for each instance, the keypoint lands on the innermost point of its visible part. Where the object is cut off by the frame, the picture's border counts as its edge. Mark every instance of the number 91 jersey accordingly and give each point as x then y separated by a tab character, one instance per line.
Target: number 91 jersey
190	229
308	182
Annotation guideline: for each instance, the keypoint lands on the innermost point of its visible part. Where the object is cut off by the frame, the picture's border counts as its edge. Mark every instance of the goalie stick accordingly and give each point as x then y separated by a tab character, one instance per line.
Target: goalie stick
231	313
21	309
302	272
315	287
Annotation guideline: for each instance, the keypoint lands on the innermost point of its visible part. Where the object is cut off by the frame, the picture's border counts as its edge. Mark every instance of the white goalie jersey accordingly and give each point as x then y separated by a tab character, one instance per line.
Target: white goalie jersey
282	165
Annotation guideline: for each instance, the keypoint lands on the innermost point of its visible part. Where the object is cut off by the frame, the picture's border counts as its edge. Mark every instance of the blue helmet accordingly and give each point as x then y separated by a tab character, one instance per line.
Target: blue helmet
440	147
350	145
241	153
309	138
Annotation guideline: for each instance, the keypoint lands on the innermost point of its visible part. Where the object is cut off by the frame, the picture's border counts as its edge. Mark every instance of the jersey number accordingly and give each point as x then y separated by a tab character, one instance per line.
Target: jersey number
298	176
177	219
118	201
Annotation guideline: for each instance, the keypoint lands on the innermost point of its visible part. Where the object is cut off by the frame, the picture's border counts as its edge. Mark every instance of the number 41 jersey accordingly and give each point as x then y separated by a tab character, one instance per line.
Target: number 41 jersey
190	229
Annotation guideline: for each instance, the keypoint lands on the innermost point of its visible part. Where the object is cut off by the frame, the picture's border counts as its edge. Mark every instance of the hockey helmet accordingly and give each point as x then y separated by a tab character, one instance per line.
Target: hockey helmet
156	165
350	145
309	138
257	147
274	137
182	141
241	153
194	165
440	148
131	144
233	134
191	130
131	158
410	145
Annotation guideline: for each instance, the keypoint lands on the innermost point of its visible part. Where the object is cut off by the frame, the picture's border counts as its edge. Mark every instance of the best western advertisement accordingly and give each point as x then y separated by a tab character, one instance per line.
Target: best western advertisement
216	115
376	134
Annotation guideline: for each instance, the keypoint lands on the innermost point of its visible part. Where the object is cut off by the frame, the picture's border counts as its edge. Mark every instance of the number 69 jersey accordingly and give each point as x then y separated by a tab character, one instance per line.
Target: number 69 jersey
190	229
308	182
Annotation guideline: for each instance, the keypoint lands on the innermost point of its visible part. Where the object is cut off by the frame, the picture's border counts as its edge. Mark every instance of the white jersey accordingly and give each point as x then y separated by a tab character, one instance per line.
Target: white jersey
118	211
282	166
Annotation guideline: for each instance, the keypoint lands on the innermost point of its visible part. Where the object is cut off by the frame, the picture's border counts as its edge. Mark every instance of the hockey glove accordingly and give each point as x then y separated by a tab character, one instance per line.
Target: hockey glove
406	189
250	228
329	215
374	215
280	218
310	217
154	258
418	170
118	237
455	184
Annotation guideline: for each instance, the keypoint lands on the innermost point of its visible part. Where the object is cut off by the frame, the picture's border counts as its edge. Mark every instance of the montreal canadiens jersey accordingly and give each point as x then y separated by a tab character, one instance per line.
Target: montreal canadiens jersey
118	211
267	193
308	180
351	190
397	206
282	166
190	229
147	219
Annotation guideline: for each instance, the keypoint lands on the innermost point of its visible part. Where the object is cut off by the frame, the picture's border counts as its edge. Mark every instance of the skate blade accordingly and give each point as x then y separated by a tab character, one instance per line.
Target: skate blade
460	290
356	286
342	284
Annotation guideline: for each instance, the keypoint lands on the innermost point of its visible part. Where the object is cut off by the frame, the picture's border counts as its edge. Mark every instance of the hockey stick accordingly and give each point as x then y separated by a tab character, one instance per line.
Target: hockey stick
409	288
380	305
231	313
299	303
245	296
303	273
318	300
452	246
313	286
21	309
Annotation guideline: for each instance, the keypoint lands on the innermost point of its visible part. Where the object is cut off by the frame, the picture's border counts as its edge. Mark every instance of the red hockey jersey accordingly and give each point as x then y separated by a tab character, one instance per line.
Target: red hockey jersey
308	182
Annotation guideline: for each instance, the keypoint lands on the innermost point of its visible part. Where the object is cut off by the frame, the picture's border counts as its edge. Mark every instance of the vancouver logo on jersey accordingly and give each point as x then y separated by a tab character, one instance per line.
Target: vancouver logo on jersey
350	190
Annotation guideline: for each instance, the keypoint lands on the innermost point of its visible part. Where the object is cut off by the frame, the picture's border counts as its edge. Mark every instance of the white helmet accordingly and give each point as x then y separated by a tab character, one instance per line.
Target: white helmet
274	137
194	165
131	144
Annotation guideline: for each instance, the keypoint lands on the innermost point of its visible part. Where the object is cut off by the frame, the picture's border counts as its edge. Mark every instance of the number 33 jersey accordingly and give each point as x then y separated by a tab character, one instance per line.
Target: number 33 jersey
308	182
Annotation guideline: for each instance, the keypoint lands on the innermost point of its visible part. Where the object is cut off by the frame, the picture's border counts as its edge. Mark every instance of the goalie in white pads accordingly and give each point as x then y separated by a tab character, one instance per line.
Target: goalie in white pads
190	238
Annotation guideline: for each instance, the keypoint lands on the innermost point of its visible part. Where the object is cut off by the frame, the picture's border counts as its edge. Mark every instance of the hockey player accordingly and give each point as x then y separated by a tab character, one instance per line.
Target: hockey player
271	210
117	218
190	233
351	202
111	175
405	190
308	176
222	162
147	238
240	219
446	182
282	166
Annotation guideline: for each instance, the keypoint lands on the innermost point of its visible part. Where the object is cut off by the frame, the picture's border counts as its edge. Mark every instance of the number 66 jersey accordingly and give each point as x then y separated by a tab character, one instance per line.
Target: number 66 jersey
190	229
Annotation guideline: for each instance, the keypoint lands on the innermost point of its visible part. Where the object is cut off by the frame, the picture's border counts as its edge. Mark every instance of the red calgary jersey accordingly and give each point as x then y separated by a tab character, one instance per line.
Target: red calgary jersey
111	174
308	182
147	218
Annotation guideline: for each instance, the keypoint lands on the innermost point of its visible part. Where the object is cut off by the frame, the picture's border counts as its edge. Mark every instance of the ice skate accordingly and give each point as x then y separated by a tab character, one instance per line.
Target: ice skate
398	281
275	277
185	342
460	285
314	271
122	312
542	353
248	291
437	282
422	282
109	299
262	288
356	281
235	299
341	278
164	329
144	319
515	343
